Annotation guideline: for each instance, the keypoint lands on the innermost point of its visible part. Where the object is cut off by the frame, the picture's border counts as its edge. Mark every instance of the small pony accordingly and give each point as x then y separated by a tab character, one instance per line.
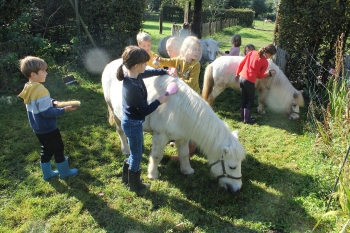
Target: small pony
220	75
185	115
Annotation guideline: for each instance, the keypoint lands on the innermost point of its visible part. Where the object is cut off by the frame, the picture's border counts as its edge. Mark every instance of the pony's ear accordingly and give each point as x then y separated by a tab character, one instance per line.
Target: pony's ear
219	43
226	150
235	133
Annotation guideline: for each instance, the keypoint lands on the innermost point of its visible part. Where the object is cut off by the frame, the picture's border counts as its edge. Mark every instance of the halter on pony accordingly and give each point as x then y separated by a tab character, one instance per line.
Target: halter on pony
224	174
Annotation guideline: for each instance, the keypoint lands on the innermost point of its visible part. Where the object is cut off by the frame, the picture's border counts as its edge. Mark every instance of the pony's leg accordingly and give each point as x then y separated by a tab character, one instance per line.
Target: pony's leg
215	93
262	97
159	142
184	158
122	137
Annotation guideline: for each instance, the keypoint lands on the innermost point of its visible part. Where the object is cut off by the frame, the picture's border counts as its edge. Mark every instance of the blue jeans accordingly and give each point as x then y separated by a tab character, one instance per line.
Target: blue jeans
134	132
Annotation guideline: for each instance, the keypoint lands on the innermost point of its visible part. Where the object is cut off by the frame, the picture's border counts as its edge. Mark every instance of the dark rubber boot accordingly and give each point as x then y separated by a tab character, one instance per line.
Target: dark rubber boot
242	114
125	174
135	182
247	116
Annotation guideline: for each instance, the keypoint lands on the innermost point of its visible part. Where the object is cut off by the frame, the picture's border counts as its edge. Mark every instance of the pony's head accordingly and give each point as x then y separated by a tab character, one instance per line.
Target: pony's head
282	94
297	101
210	49
228	167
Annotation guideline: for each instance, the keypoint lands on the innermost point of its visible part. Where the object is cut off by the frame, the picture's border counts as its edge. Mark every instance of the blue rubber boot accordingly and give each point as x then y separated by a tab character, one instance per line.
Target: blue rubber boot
47	171
64	170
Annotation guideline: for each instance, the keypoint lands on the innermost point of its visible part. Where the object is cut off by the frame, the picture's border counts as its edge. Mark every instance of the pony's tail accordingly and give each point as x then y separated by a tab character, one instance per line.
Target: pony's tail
111	120
208	82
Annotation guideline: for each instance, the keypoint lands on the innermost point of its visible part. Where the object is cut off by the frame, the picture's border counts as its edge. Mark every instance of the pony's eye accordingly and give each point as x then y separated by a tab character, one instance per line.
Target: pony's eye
232	168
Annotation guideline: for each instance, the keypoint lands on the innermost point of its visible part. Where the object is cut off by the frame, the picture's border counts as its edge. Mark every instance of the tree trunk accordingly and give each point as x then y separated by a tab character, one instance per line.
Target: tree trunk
197	18
160	17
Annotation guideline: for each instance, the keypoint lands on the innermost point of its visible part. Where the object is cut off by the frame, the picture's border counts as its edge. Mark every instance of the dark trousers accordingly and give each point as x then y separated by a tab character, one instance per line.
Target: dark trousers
51	145
248	92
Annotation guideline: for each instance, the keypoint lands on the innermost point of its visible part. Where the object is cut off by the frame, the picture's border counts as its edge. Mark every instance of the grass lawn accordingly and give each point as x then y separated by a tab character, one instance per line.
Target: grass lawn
285	182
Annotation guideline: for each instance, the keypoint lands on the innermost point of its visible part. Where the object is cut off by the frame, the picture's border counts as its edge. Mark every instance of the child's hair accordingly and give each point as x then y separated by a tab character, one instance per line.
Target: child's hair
236	40
31	64
270	48
251	47
143	36
187	45
186	26
175	42
131	56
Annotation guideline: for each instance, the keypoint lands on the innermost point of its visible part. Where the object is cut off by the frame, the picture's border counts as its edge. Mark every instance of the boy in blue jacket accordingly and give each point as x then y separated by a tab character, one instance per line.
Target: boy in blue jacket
42	118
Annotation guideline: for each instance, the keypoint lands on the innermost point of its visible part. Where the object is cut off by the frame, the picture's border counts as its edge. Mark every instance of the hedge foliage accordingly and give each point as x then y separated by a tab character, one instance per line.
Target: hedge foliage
245	16
48	29
308	30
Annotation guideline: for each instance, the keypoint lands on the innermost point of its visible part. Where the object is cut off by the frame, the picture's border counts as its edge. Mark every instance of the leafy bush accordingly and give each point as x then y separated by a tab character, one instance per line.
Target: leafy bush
48	29
311	28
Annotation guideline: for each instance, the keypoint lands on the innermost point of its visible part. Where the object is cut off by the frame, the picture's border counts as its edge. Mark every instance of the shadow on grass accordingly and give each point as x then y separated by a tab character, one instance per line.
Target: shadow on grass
227	106
209	205
107	218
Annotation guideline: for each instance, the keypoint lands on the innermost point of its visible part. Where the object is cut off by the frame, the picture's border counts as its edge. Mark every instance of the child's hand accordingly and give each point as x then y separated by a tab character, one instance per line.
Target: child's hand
237	78
171	73
163	98
271	72
156	61
69	109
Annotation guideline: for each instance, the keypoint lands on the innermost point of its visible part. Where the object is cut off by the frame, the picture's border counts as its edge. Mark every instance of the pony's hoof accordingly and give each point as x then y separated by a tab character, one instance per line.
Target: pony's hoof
125	152
188	172
152	176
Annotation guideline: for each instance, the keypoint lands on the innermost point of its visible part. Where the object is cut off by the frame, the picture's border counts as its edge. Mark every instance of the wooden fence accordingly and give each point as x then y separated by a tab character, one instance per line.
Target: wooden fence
210	28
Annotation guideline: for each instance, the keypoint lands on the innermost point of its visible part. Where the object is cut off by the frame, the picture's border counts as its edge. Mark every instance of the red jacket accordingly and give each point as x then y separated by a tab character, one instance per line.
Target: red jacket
252	67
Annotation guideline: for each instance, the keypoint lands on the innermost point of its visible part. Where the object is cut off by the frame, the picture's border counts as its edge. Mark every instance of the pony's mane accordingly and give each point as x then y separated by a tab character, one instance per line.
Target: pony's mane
283	91
203	125
280	78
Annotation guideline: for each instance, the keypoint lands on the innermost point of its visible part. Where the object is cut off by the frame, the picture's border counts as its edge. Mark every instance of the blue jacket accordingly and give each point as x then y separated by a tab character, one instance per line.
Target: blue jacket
135	104
41	113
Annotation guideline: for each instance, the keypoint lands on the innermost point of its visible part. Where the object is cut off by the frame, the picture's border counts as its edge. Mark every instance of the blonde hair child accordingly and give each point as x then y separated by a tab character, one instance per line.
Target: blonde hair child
173	46
187	63
144	41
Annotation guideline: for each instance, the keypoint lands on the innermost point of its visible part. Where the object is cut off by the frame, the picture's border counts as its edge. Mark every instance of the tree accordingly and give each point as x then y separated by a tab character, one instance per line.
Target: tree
197	18
259	7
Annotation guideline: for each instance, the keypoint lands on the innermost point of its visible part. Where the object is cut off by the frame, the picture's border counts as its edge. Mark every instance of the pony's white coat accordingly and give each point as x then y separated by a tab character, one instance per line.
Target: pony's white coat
184	116
279	92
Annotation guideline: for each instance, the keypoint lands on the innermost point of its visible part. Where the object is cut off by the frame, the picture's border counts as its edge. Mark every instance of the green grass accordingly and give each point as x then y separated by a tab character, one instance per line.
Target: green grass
285	183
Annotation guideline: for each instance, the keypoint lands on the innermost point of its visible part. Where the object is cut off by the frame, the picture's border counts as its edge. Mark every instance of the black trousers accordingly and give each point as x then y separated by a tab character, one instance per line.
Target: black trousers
51	145
248	93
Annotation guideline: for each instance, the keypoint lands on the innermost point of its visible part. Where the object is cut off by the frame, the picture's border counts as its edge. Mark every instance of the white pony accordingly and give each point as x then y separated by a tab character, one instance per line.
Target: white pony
210	49
220	75
184	116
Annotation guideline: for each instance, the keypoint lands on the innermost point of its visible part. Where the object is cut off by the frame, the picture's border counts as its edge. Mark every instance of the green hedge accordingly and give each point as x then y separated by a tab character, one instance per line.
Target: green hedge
48	29
245	16
310	29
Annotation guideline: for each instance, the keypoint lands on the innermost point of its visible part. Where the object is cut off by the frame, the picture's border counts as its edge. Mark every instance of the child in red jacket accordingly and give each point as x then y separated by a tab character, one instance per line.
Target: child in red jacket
253	66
